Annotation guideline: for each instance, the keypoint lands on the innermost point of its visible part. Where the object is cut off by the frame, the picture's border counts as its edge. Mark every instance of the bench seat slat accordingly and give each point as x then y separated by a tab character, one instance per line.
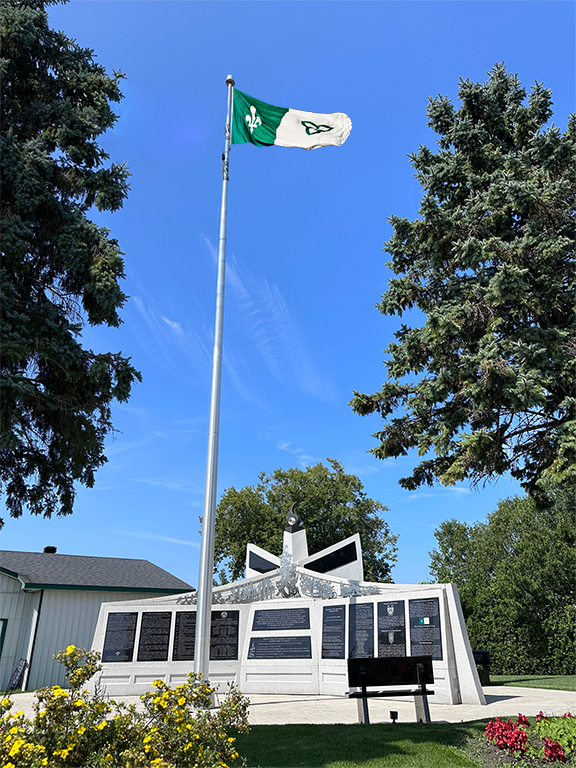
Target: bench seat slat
384	694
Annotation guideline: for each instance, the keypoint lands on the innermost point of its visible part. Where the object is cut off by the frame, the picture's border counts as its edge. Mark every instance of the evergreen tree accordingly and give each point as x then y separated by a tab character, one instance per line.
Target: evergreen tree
486	386
331	504
59	269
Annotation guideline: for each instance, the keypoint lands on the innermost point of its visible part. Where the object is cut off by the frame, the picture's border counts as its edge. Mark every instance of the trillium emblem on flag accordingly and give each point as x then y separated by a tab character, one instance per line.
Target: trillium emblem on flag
312	129
256	122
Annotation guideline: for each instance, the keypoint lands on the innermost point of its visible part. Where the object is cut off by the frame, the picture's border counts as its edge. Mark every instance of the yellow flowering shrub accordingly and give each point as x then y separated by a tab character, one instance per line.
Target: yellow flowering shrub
72	727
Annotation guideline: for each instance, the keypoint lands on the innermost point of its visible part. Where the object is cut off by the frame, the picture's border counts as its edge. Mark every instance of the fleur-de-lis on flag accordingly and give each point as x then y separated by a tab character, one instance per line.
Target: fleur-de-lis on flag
253	121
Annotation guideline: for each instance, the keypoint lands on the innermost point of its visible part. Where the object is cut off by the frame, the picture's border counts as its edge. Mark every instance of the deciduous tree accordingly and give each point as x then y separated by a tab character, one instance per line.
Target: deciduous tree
486	385
331	503
59	268
515	576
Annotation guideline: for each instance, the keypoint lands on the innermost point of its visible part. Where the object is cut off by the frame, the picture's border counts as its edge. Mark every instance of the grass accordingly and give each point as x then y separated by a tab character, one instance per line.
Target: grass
553	682
402	745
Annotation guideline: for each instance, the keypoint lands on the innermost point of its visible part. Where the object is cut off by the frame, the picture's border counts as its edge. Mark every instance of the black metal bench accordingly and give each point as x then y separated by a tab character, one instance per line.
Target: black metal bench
395	670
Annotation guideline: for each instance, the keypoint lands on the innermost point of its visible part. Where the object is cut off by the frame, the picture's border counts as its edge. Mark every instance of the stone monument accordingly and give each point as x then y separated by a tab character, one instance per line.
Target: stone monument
290	626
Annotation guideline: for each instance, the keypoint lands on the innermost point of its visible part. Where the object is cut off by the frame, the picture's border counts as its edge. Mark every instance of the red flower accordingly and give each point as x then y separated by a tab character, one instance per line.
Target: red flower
552	750
507	735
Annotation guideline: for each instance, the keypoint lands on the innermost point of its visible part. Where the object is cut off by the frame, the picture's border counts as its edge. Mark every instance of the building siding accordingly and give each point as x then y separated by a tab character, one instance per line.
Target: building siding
68	617
18	608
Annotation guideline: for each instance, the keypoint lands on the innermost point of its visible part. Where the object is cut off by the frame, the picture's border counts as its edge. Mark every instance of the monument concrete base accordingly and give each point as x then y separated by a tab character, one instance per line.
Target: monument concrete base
289	629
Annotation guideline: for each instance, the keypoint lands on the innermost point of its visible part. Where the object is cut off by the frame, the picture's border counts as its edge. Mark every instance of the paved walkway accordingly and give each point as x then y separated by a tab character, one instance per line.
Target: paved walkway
282	710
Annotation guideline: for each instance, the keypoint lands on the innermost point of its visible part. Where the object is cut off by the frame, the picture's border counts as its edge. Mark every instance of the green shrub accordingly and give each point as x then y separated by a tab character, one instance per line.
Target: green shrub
73	727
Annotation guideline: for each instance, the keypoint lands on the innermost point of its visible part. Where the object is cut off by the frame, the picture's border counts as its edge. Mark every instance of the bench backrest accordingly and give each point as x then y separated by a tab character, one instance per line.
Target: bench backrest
482	658
395	670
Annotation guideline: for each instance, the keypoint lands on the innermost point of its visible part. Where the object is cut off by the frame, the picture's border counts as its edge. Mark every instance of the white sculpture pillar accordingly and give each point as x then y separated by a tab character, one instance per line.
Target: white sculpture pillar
295	537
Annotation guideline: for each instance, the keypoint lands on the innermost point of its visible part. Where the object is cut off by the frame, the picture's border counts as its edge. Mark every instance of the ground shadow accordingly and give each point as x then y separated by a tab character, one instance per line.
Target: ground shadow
490	699
318	746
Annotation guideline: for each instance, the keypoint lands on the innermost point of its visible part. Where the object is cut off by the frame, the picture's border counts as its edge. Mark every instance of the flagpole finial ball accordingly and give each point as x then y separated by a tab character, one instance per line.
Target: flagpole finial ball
230	81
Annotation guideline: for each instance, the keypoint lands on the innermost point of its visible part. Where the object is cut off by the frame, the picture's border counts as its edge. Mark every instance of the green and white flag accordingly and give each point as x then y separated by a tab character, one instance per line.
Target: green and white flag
256	122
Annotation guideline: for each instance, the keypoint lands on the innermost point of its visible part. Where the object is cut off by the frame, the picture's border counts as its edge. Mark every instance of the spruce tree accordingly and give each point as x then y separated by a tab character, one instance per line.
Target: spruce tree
59	269
486	385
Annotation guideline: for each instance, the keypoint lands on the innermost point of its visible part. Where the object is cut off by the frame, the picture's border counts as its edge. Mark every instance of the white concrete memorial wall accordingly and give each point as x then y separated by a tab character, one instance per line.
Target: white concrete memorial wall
289	628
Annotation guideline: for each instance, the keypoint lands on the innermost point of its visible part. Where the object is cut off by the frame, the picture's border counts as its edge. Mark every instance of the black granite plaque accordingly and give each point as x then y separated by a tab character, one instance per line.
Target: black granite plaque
224	635
425	630
333	631
391	629
260	564
361	631
338	558
184	636
280	648
119	638
281	618
154	636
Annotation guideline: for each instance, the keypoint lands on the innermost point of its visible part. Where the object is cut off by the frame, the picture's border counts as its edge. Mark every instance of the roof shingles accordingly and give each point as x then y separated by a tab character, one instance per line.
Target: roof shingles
53	570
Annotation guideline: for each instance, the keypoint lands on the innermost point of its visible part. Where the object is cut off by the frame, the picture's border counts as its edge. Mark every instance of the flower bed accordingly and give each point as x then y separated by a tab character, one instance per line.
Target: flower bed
72	727
551	739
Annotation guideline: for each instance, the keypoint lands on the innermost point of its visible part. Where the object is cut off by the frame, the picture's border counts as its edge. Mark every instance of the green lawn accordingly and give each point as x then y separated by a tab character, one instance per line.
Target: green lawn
554	682
403	745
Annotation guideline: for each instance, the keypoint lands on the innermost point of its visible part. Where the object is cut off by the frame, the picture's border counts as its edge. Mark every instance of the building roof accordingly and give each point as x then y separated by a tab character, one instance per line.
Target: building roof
36	570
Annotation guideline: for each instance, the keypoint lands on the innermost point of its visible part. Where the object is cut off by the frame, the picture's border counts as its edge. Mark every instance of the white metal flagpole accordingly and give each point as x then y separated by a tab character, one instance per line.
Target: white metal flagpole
206	570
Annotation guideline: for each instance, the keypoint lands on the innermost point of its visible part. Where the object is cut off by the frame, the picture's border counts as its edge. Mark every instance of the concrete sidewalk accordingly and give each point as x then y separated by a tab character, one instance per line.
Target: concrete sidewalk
284	710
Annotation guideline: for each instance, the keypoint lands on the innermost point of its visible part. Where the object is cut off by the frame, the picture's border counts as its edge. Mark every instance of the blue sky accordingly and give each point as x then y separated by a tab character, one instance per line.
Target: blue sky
305	232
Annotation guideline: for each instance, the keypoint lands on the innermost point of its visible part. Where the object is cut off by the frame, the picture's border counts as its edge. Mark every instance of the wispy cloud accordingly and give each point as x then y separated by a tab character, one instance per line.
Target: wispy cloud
274	331
449	491
288	447
171	341
173	324
362	471
165	483
156	537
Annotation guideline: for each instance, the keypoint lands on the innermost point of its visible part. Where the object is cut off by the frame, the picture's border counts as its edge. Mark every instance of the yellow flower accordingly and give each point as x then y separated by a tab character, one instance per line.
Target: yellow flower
108	757
16	714
101	726
44	761
9	765
147	739
63	753
182	701
16	747
5	701
70	649
13	730
81	730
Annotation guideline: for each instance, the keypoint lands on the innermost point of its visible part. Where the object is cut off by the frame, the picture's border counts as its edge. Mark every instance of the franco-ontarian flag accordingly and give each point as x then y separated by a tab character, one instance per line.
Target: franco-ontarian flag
262	124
